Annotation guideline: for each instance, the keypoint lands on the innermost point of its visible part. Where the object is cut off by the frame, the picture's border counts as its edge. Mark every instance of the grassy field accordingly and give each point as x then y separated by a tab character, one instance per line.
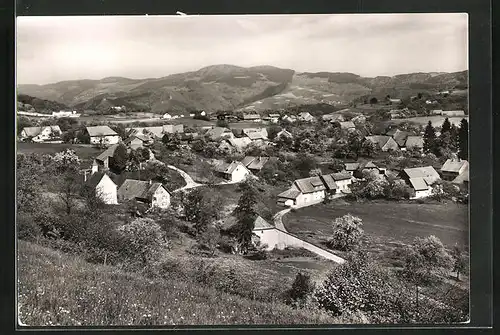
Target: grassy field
437	120
57	289
386	224
82	150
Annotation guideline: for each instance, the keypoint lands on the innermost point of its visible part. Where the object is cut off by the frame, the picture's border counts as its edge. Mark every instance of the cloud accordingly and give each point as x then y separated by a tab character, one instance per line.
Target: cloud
52	49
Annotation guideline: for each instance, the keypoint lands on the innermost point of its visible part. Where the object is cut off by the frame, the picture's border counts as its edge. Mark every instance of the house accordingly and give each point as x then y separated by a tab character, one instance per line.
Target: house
254	164
369	166
65	114
102	135
238	144
272	118
430	102
351	168
257	132
360	119
304	192
414	142
453	167
289	118
166	116
284	133
135	142
252	117
436	112
306	117
173	128
333	117
395	101
463	178
101	162
337	183
382	142
453	113
398	136
154	194
421	180
104	187
346	125
217	133
41	134
421	188
233	172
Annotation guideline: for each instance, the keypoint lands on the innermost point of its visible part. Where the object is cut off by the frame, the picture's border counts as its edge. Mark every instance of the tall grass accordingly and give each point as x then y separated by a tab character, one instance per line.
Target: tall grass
58	289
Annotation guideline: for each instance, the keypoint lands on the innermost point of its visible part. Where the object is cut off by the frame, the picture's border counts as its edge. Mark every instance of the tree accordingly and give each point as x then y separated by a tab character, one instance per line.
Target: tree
396	189
120	130
154	170
336	165
142	240
373	101
367	149
23	122
70	187
272	131
171	141
302	287
446	127
118	162
202	208
82	135
246	214
421	259
66	161
463	140
208	240
222	123
28	183
429	138
459	260
347	233
303	164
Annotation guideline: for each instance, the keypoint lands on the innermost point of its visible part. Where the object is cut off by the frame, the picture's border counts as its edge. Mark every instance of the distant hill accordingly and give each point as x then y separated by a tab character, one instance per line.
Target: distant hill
28	103
223	87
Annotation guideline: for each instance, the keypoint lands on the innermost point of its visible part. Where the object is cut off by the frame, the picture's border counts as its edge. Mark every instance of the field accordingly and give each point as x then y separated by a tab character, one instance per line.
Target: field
436	120
58	289
85	152
386	224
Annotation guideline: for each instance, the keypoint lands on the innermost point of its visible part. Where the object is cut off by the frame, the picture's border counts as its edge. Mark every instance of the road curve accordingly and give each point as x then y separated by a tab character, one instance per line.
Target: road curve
278	219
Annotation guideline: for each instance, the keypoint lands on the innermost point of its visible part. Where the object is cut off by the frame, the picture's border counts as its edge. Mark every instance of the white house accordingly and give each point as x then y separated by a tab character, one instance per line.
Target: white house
421	179
167	116
304	192
421	187
306	116
104	187
337	183
453	167
102	135
41	134
154	194
233	172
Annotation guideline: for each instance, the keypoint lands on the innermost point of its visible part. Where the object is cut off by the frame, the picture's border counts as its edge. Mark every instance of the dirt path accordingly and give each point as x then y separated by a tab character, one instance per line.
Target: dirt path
278	219
190	183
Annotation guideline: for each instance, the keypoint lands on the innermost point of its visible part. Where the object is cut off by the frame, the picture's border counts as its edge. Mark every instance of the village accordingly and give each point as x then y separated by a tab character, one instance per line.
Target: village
157	184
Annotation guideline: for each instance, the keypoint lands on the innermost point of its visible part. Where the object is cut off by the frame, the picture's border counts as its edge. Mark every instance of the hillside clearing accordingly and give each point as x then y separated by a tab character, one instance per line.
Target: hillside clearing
57	289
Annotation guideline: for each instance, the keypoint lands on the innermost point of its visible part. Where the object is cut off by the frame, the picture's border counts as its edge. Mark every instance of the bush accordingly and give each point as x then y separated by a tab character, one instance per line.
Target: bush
301	288
27	229
347	233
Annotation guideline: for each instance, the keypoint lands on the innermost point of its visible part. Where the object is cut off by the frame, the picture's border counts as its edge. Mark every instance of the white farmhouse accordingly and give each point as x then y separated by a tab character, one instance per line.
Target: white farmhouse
102	135
154	194
104	187
233	172
304	192
41	134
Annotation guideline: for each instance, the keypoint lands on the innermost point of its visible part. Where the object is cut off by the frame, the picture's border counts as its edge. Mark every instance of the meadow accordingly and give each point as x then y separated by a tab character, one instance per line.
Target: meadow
62	290
437	120
387	225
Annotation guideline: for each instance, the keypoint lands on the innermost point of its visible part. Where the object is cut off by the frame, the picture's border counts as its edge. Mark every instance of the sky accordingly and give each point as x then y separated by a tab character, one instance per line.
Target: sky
57	48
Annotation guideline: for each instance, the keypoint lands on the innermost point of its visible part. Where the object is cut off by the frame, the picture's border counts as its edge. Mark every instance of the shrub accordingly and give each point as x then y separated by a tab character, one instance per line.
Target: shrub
142	240
347	233
301	288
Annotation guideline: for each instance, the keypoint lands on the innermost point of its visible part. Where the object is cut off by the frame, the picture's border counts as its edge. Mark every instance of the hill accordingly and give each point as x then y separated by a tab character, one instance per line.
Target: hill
223	87
58	289
28	103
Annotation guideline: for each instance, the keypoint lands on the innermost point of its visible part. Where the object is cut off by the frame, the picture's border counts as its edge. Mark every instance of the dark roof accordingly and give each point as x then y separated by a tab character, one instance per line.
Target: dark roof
414	142
101	131
340	176
329	182
258	163
351	166
138	189
419	184
247	160
95	179
289	194
109	152
309	185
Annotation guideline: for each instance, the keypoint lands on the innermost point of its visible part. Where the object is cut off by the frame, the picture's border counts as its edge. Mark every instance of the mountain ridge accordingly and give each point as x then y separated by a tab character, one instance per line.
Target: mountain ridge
226	86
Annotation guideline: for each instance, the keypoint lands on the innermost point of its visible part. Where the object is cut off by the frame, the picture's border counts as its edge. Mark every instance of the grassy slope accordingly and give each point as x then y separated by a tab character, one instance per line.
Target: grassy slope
391	221
57	289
